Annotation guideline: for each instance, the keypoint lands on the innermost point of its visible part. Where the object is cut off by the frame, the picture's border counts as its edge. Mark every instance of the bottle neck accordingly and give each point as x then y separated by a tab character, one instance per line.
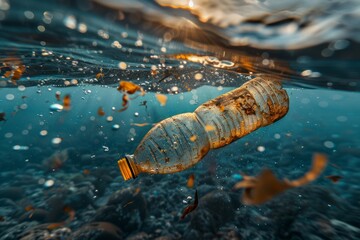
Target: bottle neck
128	167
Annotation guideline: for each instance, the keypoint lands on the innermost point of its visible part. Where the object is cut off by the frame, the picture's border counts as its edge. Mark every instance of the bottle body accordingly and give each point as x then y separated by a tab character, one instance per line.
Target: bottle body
181	141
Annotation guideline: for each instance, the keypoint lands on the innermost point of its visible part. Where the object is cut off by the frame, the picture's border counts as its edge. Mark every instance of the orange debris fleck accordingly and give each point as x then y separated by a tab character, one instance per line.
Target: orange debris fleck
7	74
53	226
29	208
99	75
67	102
140	124
86	171
162	99
191	181
100	111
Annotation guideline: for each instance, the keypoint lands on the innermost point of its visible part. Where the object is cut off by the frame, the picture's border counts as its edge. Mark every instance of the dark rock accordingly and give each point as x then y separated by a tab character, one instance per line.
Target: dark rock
219	204
139	236
203	221
192	234
125	208
79	199
13	193
39	215
98	231
8	207
17	231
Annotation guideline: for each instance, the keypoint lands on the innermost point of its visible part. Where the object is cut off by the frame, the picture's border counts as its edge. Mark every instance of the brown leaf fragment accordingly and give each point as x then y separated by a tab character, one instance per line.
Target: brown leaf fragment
318	164
129	87
191	207
265	186
334	178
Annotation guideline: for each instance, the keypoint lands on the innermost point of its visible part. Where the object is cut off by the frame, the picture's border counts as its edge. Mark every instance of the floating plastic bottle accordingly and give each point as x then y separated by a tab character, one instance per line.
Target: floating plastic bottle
181	141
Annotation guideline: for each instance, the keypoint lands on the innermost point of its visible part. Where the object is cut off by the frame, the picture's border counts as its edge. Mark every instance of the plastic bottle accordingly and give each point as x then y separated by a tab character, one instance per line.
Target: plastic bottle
179	142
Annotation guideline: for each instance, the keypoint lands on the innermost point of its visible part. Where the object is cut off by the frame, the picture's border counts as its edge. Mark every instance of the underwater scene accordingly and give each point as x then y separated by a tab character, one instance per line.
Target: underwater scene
187	119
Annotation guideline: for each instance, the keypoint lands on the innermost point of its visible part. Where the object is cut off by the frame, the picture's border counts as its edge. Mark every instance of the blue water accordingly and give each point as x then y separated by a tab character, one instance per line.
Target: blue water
60	167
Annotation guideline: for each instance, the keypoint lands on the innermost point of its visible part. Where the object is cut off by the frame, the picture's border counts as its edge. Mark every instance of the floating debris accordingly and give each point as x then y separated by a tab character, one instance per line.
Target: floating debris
162	99
56	107
265	186
334	178
20	148
58	95
122	65
67	102
100	111
43	133
191	181
86	171
15	69
140	124
49	183
99	75
56	160
191	207
129	87
2	116
56	140
116	127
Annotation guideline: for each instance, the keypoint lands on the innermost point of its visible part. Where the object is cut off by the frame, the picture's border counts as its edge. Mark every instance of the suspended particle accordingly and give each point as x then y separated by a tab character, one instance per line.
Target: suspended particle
122	65
56	107
56	140
115	127
43	133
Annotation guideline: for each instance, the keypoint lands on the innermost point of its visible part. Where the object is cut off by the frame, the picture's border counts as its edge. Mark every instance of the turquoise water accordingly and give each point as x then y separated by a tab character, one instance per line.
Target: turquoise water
59	177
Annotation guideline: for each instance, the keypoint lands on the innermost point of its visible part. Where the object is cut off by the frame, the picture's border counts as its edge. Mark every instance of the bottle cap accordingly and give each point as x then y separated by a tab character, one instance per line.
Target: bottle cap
126	169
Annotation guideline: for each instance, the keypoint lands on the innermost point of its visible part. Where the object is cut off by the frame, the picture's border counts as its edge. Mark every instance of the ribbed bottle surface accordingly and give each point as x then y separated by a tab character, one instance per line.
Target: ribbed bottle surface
179	142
